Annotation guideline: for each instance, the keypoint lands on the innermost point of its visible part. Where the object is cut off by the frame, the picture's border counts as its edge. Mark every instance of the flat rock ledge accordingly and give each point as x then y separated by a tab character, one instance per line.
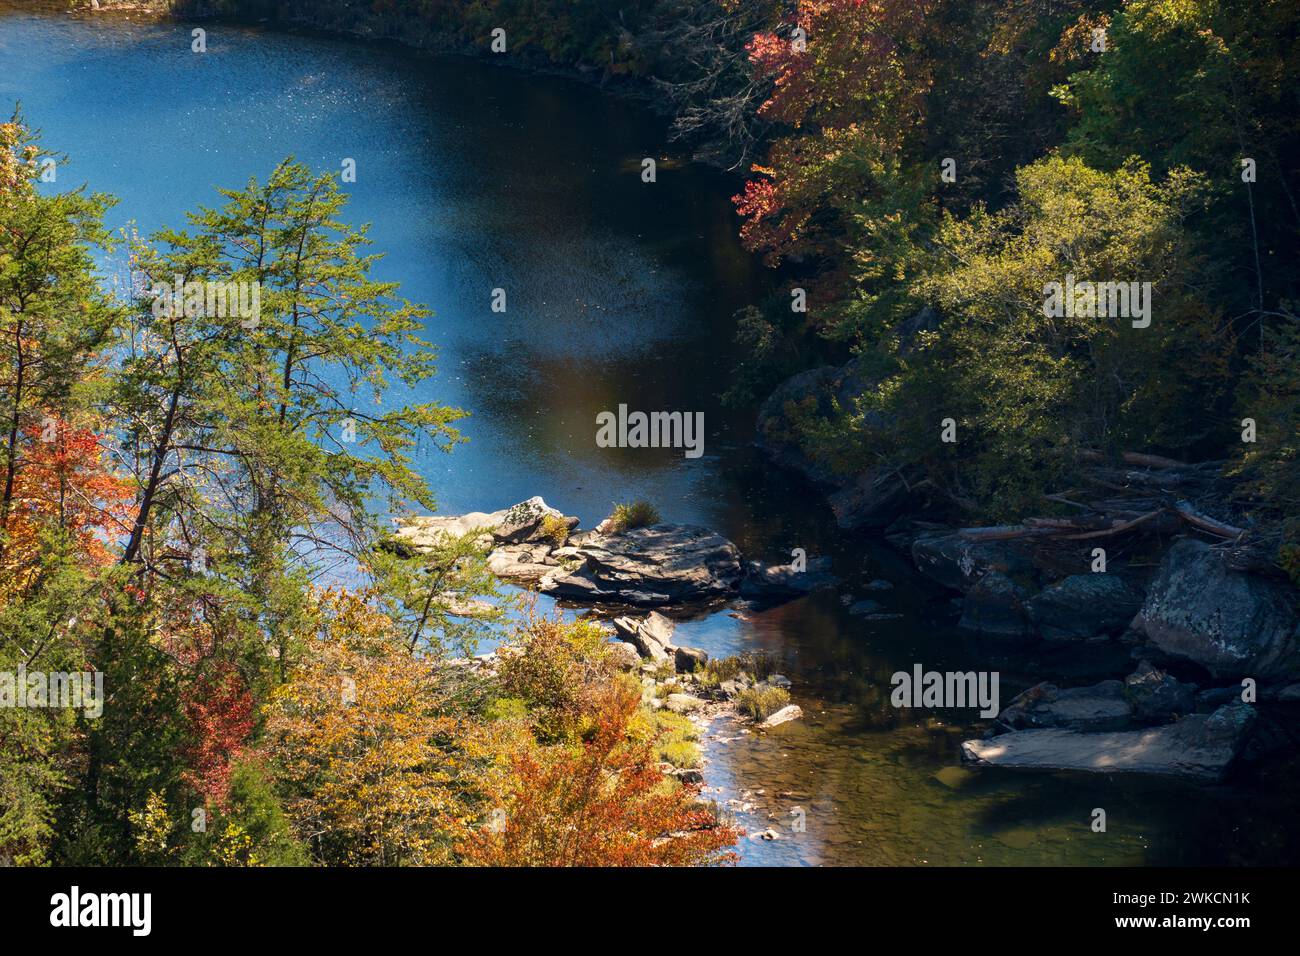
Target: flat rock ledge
1199	747
660	566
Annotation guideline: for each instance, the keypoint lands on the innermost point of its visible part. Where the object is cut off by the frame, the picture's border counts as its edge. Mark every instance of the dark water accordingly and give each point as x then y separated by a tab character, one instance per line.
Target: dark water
476	177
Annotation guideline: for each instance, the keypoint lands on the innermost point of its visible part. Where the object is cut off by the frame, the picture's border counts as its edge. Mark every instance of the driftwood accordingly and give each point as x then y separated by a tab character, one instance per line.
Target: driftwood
1193	517
1087	527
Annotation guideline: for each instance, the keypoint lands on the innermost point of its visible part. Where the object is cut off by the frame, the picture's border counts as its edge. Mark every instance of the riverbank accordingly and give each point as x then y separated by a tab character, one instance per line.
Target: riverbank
1207	664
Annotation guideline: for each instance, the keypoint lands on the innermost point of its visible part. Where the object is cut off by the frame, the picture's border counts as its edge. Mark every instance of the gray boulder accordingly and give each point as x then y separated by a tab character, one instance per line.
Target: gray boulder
686	659
625	655
652	636
957	563
783	716
1083	606
874	500
1157	696
683	703
659	565
1200	747
526	563
995	607
1233	623
1100	707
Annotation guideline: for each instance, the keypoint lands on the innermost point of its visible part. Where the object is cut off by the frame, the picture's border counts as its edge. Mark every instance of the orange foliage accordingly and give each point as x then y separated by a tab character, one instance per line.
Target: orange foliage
63	482
602	803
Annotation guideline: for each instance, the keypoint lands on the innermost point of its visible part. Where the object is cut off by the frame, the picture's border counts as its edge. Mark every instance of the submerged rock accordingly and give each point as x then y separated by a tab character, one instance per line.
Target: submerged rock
1232	623
1200	747
784	580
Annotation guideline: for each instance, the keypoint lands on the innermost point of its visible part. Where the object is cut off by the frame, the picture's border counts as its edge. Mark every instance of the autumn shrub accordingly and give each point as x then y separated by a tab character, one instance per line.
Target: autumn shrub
364	745
674	736
600	802
554	668
554	528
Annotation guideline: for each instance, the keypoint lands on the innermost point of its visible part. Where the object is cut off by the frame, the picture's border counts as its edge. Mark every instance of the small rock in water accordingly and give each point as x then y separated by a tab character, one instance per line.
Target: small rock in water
954	777
865	607
784	715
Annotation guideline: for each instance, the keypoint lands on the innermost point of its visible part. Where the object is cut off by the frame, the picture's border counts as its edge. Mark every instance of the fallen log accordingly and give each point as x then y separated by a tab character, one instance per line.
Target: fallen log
1195	518
1117	528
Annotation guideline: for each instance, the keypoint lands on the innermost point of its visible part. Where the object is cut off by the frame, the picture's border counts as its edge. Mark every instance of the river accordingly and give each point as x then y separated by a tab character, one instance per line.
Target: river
477	177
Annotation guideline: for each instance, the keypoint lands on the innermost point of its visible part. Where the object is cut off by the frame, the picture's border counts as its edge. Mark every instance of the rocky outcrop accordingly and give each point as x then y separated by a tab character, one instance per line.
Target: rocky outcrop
872	499
516	525
652	636
1200	746
1083	606
660	565
1232	623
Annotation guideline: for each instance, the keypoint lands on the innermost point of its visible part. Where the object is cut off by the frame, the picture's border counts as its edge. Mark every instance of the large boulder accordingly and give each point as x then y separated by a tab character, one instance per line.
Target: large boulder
775	432
660	565
874	500
652	636
1157	696
994	607
687	659
624	655
1233	623
1100	707
1083	606
957	562
1200	746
